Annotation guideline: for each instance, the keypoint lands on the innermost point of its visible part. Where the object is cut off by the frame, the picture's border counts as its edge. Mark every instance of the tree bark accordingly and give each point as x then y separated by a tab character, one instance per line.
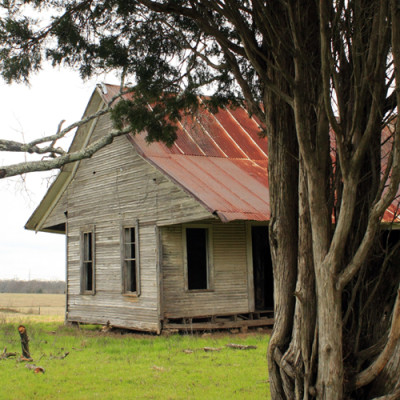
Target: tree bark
24	342
283	232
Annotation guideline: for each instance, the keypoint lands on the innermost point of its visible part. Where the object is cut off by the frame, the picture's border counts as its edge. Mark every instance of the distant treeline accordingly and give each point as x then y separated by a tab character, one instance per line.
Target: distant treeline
34	286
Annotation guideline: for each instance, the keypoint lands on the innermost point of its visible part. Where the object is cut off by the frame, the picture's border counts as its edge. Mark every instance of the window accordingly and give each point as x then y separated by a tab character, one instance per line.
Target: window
198	258
87	261
130	260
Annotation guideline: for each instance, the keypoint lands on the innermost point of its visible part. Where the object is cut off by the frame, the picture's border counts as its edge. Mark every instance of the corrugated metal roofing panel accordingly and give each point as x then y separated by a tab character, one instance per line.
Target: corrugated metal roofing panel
239	135
196	127
222	161
219	135
185	143
251	126
222	185
217	159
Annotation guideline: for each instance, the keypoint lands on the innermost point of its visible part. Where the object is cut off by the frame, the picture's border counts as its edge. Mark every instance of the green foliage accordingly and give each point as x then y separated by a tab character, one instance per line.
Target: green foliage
166	53
155	112
116	366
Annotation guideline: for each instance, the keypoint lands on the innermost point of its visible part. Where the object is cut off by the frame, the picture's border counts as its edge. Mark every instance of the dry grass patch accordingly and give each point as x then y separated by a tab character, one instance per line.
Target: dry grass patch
20	308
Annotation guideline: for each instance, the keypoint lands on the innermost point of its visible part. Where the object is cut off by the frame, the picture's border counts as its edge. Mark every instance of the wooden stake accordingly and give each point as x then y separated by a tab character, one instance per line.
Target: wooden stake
24	343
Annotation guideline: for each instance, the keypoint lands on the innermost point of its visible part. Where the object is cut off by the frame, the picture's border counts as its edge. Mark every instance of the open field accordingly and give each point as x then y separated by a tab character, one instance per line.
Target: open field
120	365
14	305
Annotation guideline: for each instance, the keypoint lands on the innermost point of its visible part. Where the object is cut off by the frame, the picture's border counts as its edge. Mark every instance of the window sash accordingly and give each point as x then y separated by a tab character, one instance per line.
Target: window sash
130	259
88	260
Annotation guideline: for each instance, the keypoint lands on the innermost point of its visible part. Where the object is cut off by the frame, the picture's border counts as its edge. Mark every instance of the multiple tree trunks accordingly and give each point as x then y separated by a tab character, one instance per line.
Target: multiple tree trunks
323	317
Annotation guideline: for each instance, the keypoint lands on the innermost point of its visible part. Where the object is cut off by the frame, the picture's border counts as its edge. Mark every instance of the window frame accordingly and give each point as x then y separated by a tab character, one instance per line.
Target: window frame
124	275
209	257
90	229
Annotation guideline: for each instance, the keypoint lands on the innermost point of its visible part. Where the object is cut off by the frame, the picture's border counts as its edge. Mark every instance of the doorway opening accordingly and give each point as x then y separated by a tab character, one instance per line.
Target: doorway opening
262	269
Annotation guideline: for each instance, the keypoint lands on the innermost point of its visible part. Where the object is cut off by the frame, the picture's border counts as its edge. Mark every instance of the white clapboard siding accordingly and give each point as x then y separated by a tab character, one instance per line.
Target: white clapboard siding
229	293
115	187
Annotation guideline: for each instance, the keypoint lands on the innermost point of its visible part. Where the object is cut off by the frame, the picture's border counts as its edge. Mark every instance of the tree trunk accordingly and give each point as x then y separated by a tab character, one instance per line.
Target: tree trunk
330	356
300	353
283	183
24	342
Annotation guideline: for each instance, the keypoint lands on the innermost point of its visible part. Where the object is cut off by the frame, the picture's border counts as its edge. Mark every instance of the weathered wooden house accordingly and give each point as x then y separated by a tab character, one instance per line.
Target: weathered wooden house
163	237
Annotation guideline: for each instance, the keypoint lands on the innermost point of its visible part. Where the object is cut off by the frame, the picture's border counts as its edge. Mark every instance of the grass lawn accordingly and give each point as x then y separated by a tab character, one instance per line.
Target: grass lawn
131	366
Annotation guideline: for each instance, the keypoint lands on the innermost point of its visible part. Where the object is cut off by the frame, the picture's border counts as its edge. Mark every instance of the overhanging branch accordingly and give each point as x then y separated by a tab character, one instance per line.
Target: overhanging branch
46	165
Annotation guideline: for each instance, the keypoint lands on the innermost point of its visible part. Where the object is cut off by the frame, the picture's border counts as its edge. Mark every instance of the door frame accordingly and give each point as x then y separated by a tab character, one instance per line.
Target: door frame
250	267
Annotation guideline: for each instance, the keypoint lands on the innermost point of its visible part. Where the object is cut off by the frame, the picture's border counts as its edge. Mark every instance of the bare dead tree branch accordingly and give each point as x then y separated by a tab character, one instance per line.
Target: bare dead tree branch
45	165
58	156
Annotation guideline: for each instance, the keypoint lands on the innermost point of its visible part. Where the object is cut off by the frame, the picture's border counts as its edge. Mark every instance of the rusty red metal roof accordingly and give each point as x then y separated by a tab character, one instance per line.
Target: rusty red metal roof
222	161
219	159
392	213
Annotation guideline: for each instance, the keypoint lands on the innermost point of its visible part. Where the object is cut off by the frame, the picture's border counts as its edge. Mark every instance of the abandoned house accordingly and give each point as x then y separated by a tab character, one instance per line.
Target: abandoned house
160	237
167	238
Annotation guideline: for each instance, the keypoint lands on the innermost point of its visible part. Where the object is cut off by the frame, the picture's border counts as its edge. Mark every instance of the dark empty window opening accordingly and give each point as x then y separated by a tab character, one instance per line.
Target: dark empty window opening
197	258
262	269
130	261
88	262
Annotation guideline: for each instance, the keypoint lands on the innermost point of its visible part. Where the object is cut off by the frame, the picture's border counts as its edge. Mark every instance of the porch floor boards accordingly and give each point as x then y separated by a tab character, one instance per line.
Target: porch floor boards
227	321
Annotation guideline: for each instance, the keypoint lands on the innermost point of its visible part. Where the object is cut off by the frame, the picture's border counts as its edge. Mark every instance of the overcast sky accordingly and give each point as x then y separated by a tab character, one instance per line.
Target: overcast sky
27	113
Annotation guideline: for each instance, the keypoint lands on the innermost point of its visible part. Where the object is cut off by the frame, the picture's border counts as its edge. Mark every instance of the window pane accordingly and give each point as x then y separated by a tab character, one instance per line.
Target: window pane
126	235
132	235
128	251
196	247
87	246
88	269
132	250
130	284
90	250
131	275
87	262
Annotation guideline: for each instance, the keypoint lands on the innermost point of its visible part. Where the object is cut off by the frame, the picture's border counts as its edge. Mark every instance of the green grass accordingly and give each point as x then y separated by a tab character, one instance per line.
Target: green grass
116	366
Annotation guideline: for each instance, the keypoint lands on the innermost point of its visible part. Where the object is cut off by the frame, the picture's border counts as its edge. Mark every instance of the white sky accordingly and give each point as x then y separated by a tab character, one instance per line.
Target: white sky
25	114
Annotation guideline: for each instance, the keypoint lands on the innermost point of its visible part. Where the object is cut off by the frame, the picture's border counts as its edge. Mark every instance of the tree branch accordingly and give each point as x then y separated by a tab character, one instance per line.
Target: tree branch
382	203
370	373
51	151
45	165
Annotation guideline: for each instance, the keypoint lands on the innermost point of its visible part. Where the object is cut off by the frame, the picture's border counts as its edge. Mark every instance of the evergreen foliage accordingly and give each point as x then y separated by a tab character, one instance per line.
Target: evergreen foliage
167	55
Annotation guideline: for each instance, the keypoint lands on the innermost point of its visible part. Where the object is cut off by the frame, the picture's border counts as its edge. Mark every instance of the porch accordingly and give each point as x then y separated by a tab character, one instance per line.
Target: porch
263	318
